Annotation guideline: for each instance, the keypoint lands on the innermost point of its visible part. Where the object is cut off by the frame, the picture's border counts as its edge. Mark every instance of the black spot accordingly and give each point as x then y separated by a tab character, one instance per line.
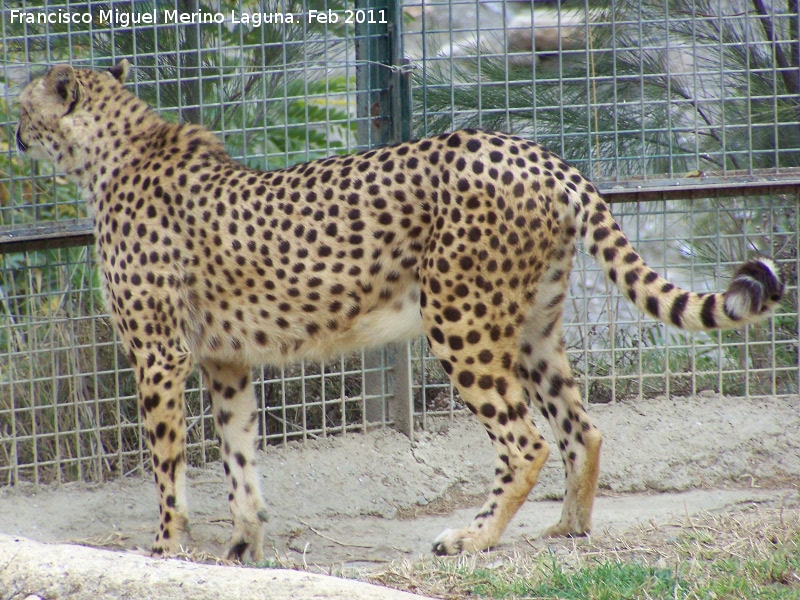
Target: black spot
473	337
466	378
151	402
488	410
223	417
501	386
650	277
601	233
708	310
632	277
678	308
237	551
486	382
652	305
556	383
452	314
609	254
455	342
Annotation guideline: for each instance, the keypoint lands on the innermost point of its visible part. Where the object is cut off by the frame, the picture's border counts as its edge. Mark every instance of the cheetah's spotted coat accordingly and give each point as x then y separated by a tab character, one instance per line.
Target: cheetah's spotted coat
467	237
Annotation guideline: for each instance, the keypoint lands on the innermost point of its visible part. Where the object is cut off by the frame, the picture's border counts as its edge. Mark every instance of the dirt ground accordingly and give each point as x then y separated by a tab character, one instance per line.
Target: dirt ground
361	500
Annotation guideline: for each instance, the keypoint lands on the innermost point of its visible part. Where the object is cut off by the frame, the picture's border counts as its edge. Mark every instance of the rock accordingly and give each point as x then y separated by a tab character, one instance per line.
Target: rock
32	571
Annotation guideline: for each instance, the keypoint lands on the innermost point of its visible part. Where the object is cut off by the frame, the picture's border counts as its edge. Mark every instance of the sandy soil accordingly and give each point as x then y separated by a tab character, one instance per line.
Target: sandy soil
360	499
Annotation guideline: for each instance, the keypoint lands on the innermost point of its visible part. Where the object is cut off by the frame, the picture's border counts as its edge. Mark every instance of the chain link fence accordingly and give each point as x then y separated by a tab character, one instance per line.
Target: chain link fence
686	114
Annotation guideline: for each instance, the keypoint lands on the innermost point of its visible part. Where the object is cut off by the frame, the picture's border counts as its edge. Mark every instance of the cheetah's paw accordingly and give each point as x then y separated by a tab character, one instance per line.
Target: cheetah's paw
248	535
565	529
456	541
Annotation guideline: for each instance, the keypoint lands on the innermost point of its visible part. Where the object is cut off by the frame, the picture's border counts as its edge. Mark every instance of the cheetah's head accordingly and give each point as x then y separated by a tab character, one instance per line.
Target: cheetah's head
55	122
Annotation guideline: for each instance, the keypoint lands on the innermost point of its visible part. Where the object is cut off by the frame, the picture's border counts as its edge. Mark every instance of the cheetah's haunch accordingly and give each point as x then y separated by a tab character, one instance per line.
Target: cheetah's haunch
467	237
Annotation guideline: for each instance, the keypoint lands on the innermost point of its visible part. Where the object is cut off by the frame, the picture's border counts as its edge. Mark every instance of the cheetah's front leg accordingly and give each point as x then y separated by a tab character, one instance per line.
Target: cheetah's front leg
236	422
161	373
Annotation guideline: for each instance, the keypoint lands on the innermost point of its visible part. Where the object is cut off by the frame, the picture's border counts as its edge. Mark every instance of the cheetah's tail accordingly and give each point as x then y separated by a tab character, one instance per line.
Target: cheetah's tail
754	291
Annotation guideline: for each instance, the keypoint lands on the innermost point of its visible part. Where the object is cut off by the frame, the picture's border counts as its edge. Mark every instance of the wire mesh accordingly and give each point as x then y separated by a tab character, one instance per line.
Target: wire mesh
68	408
636	92
617	353
622	89
277	93
277	81
629	92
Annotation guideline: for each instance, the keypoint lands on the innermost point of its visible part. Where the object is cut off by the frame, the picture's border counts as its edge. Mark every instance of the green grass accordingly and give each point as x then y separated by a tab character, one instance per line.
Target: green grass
608	580
748	555
605	581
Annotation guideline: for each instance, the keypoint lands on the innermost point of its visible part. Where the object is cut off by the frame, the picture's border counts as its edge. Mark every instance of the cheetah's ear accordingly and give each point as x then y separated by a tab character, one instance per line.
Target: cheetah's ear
120	70
61	82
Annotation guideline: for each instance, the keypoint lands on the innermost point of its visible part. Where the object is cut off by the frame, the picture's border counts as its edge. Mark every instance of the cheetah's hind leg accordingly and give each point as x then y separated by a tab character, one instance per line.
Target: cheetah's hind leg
555	394
487	380
547	376
520	455
236	421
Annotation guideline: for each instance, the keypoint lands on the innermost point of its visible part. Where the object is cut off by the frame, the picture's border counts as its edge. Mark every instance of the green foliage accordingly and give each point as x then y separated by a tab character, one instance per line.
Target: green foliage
247	82
629	99
270	111
26	197
306	126
609	581
616	580
61	374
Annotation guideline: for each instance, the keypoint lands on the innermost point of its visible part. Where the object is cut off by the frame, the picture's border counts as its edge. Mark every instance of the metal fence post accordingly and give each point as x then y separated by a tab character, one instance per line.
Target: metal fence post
401	405
384	117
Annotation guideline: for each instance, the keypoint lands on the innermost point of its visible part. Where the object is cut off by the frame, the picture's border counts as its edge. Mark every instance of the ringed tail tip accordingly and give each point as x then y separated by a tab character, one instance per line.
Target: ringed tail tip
755	289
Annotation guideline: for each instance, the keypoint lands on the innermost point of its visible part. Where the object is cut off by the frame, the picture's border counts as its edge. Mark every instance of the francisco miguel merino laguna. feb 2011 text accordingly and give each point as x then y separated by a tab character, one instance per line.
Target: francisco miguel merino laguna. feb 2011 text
254	19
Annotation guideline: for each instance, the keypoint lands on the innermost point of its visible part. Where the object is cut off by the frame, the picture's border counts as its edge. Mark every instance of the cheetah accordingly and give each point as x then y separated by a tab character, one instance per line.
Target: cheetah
467	237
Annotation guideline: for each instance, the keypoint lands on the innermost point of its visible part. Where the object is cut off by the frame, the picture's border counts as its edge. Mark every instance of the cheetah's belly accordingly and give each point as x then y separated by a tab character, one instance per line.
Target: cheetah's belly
397	321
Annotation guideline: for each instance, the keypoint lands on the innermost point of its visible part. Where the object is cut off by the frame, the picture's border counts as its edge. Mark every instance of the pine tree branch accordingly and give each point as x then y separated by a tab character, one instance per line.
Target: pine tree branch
790	73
